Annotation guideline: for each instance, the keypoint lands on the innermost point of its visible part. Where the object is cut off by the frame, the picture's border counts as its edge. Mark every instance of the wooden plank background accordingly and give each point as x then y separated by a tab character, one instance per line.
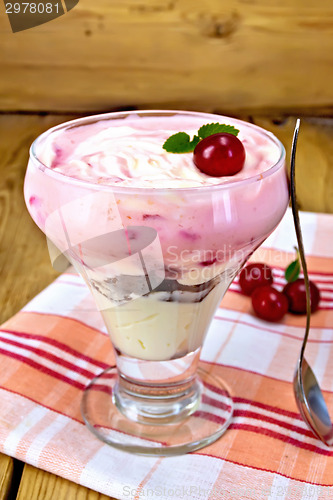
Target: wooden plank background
192	54
265	61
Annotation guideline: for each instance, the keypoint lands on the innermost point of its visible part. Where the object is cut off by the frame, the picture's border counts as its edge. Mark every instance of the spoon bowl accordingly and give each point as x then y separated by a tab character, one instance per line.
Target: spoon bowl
311	403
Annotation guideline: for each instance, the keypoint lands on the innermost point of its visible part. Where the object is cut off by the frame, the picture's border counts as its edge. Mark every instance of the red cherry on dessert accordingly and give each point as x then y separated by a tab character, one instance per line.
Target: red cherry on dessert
268	303
219	154
296	294
254	275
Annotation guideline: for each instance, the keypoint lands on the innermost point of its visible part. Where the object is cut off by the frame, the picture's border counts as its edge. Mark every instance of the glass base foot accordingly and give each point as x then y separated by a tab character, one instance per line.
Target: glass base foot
210	417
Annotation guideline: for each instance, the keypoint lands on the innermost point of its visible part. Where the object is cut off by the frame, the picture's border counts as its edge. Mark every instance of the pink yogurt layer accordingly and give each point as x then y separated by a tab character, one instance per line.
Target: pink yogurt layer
202	232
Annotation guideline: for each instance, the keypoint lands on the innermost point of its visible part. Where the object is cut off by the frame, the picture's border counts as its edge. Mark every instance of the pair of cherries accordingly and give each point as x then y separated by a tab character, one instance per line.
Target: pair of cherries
270	304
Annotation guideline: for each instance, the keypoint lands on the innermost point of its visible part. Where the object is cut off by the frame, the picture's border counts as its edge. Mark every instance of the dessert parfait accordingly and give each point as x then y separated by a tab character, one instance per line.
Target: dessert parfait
158	211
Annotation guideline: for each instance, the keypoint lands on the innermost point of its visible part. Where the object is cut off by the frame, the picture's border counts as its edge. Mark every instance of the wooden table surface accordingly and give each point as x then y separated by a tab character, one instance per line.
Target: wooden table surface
25	267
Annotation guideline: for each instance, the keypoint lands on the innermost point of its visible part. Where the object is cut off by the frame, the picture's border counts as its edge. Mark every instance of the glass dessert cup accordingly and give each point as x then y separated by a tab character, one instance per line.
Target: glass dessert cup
158	262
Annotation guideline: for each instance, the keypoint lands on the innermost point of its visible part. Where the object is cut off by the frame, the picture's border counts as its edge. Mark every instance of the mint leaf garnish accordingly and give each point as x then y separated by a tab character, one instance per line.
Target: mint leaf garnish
180	143
293	270
216	128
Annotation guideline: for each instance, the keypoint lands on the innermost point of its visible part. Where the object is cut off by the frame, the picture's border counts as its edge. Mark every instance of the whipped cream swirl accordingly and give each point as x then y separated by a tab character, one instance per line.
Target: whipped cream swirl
129	152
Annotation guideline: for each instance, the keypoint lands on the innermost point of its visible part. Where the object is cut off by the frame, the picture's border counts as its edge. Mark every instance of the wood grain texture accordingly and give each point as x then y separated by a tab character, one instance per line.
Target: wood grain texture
25	267
212	55
6	475
314	159
40	485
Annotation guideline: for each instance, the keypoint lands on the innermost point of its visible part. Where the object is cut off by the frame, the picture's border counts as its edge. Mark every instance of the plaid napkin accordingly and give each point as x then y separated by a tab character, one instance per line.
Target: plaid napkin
57	343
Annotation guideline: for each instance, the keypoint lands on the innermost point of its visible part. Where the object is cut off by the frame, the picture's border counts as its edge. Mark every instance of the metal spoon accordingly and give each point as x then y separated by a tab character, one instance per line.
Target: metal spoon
309	398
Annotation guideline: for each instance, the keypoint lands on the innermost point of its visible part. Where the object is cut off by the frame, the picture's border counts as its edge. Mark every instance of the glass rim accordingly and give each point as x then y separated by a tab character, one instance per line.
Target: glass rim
232	183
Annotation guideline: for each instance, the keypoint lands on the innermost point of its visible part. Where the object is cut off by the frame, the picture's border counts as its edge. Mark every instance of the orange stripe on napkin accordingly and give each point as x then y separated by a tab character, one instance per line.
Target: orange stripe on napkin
241	303
70	332
266	419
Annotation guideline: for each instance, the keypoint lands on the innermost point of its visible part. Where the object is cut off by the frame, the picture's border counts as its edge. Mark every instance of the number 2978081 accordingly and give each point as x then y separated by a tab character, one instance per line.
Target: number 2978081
31	8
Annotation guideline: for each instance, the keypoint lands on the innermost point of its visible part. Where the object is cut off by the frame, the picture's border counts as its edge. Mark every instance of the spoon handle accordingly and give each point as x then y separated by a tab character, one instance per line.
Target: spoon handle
299	236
